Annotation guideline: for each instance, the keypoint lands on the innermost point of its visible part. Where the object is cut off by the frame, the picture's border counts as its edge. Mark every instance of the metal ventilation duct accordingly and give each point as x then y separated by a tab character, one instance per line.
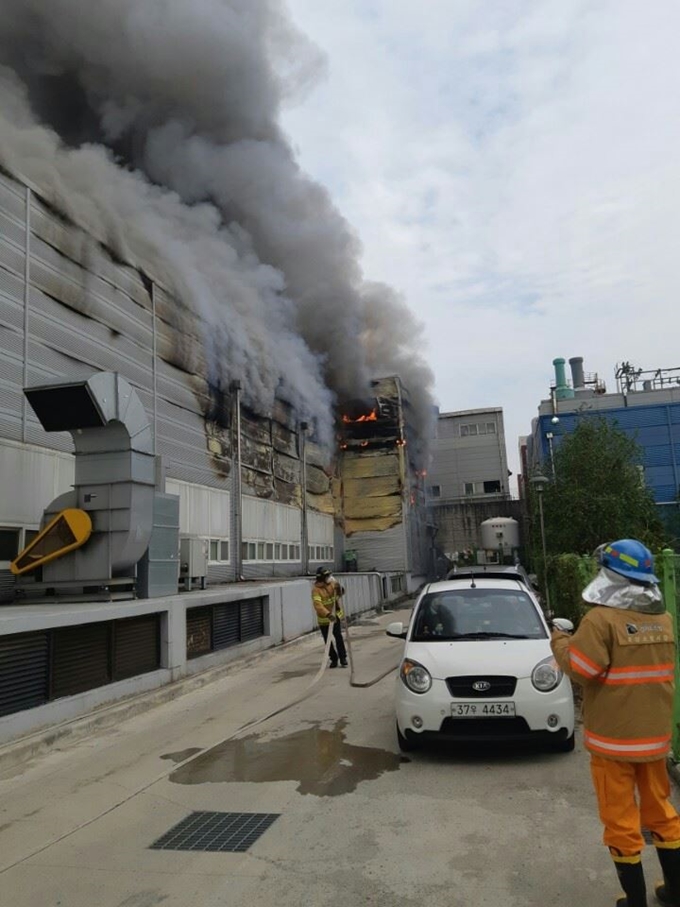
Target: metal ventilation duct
114	474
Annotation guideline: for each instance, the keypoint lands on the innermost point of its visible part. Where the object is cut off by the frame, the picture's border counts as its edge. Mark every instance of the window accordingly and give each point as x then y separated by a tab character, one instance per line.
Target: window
277	551
214	550
9	544
492	487
491	428
467	430
269	551
260	551
469	488
436	491
224	550
219	550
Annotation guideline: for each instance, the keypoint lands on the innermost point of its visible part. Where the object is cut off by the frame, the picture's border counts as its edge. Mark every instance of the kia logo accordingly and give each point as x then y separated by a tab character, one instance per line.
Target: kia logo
481	686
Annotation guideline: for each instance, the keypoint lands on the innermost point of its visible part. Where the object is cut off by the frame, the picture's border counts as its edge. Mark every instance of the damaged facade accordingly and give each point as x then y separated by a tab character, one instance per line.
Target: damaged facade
264	496
380	483
68	309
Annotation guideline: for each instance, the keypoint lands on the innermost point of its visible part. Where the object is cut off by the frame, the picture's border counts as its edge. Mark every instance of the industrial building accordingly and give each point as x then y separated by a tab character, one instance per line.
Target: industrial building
645	405
468	478
107	409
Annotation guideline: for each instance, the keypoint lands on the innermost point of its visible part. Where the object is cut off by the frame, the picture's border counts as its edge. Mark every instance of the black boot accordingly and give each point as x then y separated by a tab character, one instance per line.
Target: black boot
632	880
668	894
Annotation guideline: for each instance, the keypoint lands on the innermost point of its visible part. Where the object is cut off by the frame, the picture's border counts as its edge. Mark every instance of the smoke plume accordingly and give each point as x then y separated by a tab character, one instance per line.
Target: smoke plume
155	124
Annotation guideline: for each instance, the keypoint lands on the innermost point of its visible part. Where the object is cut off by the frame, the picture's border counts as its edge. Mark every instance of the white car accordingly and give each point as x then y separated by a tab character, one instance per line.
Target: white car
477	666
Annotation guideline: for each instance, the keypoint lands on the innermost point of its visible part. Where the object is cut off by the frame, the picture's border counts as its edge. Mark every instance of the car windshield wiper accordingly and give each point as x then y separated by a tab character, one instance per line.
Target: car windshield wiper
489	635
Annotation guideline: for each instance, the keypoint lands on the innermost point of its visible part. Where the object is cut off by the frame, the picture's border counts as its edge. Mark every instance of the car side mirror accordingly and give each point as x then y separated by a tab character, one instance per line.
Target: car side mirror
561	623
396	629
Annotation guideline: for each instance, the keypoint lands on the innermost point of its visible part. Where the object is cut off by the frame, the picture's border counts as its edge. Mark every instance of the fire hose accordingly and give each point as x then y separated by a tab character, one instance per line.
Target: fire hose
245	727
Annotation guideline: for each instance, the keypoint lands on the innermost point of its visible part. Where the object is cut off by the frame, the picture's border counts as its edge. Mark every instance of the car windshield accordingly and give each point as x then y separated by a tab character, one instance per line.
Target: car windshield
474	613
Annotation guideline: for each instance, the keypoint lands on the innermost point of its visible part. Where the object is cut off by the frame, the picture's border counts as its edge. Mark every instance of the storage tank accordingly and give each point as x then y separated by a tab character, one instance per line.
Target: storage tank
500	532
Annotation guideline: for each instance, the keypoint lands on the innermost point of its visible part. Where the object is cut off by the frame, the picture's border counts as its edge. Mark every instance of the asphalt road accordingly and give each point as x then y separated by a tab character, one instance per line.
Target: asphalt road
352	821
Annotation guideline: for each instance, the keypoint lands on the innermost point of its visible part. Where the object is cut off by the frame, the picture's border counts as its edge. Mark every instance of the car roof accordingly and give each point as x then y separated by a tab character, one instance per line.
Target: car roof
490	570
481	582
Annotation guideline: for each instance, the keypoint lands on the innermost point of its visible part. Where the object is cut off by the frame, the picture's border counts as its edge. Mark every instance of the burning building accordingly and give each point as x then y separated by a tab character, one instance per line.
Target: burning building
156	225
381	483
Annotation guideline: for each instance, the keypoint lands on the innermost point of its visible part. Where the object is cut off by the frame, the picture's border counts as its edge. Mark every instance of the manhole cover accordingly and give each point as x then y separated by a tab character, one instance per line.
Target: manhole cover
210	831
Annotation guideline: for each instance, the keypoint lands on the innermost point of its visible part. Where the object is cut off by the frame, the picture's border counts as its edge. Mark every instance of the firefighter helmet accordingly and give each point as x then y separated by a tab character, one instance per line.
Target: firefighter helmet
630	559
322	574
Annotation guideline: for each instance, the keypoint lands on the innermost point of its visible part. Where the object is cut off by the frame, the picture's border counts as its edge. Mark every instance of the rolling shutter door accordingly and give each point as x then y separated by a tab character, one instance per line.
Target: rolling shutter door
81	659
252	618
136	646
23	671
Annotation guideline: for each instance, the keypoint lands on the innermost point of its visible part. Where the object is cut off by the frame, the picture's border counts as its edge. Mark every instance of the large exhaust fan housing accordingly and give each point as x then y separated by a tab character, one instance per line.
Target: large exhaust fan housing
114	476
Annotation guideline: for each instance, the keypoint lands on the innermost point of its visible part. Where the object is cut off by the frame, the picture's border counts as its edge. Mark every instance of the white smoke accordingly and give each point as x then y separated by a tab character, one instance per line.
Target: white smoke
187	95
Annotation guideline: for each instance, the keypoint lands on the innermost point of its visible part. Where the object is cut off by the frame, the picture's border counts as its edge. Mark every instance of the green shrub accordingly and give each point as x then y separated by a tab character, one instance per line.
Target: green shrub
569	575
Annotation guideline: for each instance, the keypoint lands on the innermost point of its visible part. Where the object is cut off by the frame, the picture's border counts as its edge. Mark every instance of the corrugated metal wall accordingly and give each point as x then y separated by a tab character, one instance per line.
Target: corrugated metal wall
67	309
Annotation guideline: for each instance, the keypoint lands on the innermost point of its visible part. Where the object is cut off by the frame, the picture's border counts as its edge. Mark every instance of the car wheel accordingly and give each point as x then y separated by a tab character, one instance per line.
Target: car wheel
565	746
405	745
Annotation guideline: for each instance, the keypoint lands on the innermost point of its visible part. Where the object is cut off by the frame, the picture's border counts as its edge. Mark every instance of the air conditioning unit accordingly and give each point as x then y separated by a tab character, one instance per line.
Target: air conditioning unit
193	561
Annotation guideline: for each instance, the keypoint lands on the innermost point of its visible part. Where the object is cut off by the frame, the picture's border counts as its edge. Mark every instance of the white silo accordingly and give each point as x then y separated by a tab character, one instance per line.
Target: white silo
500	533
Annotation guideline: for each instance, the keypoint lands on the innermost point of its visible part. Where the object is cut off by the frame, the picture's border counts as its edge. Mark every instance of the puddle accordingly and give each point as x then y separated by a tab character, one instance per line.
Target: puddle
320	760
182	754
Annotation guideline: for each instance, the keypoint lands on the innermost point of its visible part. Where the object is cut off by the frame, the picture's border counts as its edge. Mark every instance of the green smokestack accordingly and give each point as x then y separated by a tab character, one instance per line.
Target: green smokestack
562	390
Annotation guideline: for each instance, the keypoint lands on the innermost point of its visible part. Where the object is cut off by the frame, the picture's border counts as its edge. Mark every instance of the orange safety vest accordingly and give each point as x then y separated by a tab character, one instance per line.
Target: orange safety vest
625	662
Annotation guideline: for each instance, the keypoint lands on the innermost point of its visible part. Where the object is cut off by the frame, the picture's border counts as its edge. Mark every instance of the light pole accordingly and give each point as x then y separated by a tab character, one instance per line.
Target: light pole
549	435
540	483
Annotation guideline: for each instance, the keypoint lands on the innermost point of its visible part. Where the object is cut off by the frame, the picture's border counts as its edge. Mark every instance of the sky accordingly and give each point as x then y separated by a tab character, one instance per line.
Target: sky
513	169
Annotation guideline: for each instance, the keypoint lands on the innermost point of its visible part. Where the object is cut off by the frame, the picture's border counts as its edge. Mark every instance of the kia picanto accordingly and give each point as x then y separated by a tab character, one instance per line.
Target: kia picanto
477	666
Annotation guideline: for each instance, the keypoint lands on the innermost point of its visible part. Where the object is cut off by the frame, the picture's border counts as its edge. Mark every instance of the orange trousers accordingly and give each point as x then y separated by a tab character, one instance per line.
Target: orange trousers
624	814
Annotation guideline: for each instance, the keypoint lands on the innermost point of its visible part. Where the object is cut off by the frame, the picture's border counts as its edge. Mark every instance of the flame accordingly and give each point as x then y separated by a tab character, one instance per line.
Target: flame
370	417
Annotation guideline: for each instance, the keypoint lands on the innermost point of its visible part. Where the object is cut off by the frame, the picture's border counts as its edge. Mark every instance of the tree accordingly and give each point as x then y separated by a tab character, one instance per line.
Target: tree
598	493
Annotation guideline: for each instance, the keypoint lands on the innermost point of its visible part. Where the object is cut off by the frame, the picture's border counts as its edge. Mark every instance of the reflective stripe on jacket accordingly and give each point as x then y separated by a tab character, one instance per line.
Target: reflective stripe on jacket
324	598
625	662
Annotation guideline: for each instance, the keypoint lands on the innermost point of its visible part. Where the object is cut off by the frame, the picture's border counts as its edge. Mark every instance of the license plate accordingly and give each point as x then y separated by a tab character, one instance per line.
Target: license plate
482	710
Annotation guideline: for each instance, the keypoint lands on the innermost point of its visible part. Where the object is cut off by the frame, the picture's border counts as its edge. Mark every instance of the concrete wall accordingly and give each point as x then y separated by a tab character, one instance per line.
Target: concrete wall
288	616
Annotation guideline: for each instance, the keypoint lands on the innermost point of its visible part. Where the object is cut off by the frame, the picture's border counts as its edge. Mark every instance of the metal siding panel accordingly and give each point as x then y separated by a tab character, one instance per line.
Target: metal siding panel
136	646
81	658
23	671
382	551
659	455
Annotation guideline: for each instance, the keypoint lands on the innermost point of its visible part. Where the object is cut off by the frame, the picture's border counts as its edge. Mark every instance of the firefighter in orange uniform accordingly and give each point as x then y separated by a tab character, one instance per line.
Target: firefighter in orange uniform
623	655
326	595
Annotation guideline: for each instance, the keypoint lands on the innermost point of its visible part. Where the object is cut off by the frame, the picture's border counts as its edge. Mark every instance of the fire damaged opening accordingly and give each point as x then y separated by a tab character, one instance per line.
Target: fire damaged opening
218	408
370	424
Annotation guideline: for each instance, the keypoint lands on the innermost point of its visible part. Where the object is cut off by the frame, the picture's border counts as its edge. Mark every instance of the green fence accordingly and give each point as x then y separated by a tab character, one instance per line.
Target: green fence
668	568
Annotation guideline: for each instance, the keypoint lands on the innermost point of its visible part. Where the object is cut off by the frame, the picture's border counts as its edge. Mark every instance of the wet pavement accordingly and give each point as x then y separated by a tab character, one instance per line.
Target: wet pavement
319	760
357	823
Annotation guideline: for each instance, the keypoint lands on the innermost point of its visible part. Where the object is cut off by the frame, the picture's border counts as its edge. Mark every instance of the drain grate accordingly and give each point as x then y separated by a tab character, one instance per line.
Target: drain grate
221	832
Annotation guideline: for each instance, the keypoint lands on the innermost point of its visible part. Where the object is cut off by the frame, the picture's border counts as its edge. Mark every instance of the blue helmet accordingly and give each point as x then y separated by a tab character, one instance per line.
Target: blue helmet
629	558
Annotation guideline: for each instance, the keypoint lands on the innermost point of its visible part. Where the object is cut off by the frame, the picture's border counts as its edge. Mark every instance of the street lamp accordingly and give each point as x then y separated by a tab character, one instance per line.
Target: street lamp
540	483
549	435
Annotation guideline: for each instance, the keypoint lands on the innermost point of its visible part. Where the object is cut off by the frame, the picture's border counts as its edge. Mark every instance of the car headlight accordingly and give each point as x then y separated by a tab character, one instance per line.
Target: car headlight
546	675
415	676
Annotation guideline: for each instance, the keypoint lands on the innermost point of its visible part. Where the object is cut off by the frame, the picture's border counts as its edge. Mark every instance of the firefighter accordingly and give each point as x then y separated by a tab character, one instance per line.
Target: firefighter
623	656
326	595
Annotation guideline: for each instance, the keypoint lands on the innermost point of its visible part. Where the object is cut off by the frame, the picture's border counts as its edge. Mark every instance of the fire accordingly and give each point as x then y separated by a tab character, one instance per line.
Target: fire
370	417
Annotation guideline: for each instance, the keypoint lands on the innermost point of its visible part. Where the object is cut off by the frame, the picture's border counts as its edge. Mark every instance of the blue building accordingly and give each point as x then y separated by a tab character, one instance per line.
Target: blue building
645	405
